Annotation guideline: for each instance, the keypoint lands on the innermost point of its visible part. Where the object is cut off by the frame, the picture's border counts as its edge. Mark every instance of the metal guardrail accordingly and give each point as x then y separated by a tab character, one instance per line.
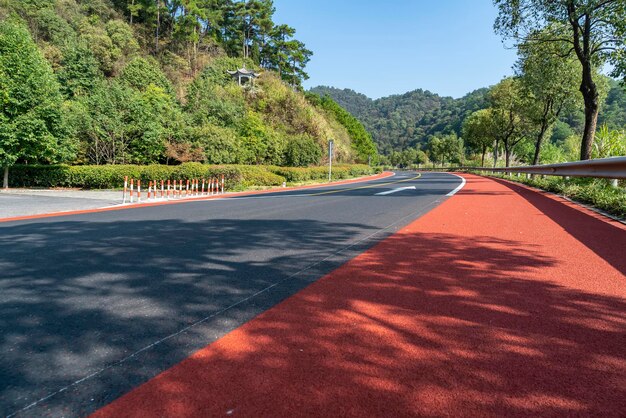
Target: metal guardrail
609	168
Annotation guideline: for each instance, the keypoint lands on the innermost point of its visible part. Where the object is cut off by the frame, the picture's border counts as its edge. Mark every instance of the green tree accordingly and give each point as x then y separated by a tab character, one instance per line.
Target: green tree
548	82
31	118
302	151
478	132
141	72
509	126
594	30
79	71
445	148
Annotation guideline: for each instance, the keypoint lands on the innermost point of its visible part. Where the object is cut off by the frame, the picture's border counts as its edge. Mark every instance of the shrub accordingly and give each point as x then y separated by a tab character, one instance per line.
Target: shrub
112	176
39	176
302	151
101	177
260	176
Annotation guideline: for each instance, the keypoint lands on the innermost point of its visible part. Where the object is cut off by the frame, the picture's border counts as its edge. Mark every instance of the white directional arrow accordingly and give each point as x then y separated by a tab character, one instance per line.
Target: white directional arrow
399	189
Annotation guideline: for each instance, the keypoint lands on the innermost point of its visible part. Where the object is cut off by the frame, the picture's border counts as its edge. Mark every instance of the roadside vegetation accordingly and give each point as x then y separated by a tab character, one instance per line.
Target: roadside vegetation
142	82
237	177
552	110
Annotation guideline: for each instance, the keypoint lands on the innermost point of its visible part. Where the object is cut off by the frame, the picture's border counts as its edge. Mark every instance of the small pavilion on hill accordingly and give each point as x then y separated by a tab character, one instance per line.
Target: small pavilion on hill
243	76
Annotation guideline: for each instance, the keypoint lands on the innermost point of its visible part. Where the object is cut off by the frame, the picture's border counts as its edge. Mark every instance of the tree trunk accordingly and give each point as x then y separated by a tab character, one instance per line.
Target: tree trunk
590	95
482	163
495	154
538	144
5	181
507	156
158	26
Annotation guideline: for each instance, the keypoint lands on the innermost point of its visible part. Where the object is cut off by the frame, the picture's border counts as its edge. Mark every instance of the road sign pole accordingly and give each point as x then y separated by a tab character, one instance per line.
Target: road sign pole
330	159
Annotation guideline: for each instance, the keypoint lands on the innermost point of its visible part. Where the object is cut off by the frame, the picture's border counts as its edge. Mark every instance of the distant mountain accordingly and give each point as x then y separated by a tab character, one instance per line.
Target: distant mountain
407	120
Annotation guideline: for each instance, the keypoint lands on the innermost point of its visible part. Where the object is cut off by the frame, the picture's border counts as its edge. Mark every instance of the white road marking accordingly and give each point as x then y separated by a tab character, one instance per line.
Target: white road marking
398	189
459	187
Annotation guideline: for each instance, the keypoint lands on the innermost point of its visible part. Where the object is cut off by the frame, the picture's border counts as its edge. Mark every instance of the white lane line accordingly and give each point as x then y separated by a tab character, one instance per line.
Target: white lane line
398	189
459	187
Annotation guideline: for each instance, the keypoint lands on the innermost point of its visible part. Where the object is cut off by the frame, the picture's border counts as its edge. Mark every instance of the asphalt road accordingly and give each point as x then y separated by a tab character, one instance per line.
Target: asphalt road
93	305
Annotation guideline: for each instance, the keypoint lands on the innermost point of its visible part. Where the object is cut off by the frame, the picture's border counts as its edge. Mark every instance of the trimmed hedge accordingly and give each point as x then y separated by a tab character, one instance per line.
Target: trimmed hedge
340	171
112	176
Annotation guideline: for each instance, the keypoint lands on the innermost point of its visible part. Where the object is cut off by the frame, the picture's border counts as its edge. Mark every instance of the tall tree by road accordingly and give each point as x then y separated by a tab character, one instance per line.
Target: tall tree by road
508	123
478	132
548	84
595	31
31	122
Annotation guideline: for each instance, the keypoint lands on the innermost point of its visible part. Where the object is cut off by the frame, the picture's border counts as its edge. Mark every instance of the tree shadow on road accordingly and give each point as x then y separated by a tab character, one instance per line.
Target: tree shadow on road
78	295
420	325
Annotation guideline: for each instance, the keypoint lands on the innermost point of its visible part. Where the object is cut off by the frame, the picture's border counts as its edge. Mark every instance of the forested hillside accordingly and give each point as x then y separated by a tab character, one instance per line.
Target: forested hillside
406	121
402	121
140	82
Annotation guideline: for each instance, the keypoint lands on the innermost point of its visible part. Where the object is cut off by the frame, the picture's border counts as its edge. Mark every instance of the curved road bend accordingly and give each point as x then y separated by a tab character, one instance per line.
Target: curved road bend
92	305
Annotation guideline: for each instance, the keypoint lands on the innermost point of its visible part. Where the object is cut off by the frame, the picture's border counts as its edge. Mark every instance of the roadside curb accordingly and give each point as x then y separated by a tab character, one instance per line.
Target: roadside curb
120	206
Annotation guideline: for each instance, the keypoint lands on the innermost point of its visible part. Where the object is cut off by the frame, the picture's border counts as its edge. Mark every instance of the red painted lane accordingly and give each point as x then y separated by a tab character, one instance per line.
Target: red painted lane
500	302
173	202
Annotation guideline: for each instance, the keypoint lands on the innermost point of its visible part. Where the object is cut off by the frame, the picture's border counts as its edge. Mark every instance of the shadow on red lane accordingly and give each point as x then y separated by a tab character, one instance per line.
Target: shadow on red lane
592	232
421	325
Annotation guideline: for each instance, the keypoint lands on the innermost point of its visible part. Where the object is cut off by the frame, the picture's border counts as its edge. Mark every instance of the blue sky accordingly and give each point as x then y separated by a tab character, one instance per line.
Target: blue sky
388	47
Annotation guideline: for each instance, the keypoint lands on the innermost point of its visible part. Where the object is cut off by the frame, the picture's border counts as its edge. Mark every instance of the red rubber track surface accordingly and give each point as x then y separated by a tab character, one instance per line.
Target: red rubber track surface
503	301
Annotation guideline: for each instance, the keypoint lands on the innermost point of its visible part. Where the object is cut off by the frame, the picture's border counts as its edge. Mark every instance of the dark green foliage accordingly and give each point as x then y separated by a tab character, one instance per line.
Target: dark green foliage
79	71
31	118
408	120
302	151
613	114
132	94
235	176
141	72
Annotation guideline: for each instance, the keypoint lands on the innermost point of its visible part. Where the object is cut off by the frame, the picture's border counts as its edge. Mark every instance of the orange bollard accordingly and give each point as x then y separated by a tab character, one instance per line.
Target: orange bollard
138	190
132	187
168	188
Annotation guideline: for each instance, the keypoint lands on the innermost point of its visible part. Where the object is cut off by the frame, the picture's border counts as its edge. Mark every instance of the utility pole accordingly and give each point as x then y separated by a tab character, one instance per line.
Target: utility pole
330	159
